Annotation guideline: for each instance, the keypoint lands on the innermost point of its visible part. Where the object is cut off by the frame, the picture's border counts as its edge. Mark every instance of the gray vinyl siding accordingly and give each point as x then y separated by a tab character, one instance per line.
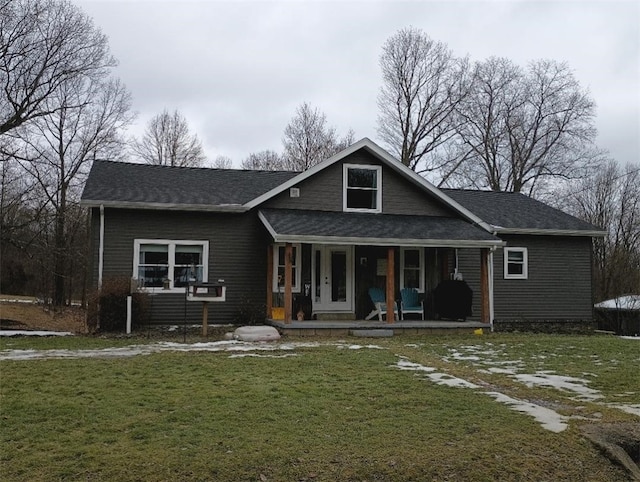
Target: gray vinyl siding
323	192
558	286
559	280
469	268
237	254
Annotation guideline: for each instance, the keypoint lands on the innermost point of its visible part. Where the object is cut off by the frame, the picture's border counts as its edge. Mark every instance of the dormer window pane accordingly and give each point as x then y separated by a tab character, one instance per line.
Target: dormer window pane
362	188
363	178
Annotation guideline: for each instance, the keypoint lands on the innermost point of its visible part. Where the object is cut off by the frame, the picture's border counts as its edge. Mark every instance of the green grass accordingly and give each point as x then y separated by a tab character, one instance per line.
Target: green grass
327	413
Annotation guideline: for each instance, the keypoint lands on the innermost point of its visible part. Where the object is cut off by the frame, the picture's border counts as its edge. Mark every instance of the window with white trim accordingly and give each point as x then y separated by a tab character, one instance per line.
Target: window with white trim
169	265
515	263
412	268
362	188
279	264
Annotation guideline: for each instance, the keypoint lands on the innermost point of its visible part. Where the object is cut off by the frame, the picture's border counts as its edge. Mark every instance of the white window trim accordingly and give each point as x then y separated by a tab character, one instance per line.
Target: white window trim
171	243
525	263
421	277
345	171
295	284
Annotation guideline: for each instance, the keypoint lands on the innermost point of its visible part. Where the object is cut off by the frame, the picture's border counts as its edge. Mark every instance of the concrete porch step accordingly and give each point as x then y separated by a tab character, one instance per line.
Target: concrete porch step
372	333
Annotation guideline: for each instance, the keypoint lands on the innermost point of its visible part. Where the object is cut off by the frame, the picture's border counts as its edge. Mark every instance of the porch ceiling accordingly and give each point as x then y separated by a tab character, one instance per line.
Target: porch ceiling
325	227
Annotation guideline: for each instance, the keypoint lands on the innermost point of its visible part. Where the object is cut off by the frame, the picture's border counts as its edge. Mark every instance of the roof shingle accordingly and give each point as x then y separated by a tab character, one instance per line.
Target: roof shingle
512	210
121	182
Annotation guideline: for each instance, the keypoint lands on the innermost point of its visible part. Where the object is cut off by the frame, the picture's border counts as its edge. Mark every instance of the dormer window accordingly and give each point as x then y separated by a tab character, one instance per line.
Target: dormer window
362	188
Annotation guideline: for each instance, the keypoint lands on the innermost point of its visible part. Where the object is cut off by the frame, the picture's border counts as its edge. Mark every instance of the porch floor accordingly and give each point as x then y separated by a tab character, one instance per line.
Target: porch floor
346	327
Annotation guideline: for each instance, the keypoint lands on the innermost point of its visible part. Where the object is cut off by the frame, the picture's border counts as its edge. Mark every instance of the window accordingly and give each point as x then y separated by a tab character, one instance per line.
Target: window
169	265
515	263
412	268
362	188
279	262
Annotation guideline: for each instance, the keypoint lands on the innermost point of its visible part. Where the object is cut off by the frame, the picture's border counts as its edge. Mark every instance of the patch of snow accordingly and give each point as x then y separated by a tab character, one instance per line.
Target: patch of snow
627	303
506	371
18	300
632	409
439	378
34	333
570	384
135	350
360	347
549	419
404	364
630	337
256	355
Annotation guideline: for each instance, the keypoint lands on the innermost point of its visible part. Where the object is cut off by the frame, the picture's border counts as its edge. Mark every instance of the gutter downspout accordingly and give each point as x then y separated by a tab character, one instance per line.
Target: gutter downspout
490	261
101	248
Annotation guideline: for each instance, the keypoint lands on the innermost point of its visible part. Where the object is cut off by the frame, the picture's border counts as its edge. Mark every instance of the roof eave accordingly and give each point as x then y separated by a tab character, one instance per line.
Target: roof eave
219	208
402	242
550	232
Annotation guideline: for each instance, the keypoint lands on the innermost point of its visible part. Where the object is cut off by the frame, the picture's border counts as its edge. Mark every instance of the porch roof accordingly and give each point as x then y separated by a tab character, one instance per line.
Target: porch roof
324	227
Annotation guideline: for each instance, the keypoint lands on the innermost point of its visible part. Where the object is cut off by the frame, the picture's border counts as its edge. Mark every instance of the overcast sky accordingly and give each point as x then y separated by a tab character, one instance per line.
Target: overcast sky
238	70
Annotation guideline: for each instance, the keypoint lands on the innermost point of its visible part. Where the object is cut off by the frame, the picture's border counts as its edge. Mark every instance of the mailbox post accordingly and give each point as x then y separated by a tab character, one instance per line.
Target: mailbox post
206	293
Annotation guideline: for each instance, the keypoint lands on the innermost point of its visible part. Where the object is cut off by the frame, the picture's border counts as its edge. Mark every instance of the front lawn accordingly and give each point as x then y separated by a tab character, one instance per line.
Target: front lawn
326	411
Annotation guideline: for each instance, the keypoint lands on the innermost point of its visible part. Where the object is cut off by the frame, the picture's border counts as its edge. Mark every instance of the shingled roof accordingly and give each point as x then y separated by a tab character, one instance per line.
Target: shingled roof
124	184
517	213
295	225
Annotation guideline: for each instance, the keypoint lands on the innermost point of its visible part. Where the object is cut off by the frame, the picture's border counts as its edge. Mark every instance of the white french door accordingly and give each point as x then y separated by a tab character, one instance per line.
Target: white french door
332	280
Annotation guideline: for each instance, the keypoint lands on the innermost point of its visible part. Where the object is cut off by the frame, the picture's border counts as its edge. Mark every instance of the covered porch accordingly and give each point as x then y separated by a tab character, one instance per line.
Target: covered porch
321	267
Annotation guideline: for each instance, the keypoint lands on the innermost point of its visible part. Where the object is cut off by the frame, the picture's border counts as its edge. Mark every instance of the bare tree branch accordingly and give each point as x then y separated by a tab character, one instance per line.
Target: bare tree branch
168	142
43	45
307	140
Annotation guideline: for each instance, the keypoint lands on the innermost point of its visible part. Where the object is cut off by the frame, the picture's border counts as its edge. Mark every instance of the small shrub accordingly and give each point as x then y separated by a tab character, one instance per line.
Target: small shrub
249	313
107	309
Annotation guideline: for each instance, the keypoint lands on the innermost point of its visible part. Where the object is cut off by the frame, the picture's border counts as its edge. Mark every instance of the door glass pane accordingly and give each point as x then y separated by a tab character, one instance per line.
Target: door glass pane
318	278
338	276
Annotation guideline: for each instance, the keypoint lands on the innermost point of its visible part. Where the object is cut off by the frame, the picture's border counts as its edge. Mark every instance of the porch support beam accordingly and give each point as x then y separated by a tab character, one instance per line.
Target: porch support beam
269	280
288	254
390	284
484	286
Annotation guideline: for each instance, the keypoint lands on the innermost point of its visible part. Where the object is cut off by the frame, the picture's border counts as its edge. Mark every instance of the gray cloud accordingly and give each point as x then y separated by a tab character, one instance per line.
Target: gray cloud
238	70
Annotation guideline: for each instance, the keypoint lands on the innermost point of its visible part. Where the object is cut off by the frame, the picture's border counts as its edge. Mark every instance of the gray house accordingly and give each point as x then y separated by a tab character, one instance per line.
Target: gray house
317	245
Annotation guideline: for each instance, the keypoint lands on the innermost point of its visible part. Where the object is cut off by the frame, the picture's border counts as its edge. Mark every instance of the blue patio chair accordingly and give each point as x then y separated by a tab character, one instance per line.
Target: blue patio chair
410	302
379	300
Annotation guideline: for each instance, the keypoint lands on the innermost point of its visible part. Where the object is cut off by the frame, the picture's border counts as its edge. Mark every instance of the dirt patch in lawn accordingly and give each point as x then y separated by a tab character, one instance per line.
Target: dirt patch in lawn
620	442
27	315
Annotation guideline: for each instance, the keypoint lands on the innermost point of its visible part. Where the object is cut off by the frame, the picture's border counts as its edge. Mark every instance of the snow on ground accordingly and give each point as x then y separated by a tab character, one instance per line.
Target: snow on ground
549	419
34	333
135	350
568	384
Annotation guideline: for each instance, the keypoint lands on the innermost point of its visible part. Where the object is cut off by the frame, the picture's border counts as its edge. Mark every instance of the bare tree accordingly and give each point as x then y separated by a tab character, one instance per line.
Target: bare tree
57	150
266	160
610	199
423	83
222	162
168	142
525	127
307	139
43	45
